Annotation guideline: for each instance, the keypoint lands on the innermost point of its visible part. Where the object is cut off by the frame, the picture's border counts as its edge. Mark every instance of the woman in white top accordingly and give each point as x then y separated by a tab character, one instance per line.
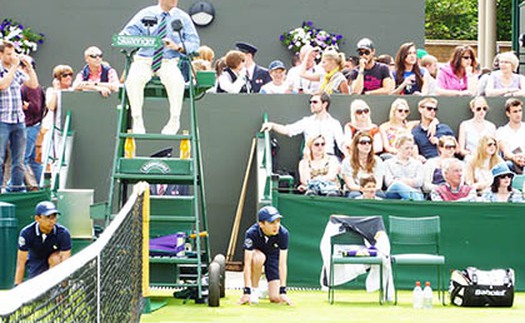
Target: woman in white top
233	77
332	80
471	131
479	164
361	161
360	120
506	82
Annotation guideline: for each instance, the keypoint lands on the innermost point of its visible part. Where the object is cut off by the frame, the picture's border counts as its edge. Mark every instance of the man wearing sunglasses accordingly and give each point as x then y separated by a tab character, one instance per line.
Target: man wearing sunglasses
425	140
370	77
96	75
320	122
511	137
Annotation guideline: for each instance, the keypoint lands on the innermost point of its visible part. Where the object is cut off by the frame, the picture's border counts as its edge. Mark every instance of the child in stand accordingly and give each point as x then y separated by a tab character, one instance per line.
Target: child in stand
368	188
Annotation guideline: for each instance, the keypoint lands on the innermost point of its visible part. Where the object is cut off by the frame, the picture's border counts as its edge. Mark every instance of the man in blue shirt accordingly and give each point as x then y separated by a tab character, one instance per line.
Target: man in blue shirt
266	244
426	143
162	62
42	244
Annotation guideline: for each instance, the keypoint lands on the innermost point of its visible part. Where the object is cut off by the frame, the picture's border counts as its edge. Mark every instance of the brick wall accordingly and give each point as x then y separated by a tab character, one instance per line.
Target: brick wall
443	48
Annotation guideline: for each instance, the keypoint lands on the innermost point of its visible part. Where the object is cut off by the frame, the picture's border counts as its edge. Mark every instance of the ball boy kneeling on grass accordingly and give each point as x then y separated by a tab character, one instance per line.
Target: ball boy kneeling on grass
266	244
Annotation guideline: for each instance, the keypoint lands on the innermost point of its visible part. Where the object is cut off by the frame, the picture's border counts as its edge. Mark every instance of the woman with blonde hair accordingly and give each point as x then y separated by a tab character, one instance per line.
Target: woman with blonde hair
317	170
471	131
478	166
332	80
397	125
361	161
505	81
360	120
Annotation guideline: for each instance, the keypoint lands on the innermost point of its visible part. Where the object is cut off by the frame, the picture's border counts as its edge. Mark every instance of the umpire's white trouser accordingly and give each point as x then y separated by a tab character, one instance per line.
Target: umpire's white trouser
140	73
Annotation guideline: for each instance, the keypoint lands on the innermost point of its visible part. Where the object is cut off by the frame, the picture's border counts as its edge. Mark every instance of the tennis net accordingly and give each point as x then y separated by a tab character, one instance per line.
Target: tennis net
102	283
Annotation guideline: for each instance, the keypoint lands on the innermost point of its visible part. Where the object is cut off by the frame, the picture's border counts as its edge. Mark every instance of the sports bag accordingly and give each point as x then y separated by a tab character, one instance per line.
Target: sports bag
472	287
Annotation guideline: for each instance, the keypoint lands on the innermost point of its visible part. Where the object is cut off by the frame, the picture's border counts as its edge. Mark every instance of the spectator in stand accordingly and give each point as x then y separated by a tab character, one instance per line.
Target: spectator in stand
388	61
426	141
350	63
332	79
361	120
370	77
453	189
408	76
320	122
257	75
403	173
470	131
62	81
479	164
396	126
511	137
457	77
506	82
12	125
95	75
485	74
204	61
34	105
206	53
501	189
278	85
361	161
300	84
317	170
233	78
430	62
368	188
433	168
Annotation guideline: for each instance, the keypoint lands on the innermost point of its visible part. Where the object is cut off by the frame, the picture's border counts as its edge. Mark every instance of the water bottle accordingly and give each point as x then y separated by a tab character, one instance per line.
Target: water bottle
185	149
129	147
427	296
418	296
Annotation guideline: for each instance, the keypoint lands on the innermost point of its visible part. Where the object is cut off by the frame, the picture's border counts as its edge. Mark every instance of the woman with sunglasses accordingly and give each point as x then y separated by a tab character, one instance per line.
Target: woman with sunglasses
397	125
409	77
332	79
360	120
433	168
62	81
501	189
470	131
479	164
360	162
457	77
505	81
317	170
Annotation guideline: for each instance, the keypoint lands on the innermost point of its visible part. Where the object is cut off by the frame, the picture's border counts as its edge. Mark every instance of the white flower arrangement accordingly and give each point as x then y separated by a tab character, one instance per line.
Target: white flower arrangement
24	39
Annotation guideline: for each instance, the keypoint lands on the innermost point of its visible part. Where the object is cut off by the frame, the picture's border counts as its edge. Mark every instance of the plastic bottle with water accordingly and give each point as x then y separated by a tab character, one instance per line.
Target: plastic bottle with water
427	296
418	296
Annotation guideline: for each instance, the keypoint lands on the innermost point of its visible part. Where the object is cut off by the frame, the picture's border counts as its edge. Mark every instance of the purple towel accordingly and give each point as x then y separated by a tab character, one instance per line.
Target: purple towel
170	245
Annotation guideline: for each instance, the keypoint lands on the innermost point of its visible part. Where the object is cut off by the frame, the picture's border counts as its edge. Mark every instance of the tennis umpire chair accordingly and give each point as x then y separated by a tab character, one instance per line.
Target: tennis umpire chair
416	235
350	237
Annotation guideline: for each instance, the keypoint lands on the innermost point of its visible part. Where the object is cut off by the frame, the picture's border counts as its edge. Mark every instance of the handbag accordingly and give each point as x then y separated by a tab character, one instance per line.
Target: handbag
472	287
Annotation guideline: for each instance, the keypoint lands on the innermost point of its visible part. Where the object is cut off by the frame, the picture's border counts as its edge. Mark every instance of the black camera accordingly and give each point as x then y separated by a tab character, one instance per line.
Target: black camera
149	21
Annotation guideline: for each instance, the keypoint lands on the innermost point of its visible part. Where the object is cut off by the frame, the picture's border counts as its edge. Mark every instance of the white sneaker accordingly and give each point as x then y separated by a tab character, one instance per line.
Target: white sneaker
138	126
255	295
263	289
171	127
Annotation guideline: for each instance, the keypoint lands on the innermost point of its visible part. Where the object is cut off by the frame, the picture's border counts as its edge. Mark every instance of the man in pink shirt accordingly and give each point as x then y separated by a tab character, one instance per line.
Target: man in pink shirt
96	75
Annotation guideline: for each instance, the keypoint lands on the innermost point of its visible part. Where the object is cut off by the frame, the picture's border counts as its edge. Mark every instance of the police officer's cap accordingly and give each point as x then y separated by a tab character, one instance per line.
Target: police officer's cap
246	47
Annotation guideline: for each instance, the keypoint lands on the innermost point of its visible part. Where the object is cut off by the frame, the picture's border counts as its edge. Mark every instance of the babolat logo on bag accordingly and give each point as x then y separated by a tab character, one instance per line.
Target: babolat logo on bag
480	288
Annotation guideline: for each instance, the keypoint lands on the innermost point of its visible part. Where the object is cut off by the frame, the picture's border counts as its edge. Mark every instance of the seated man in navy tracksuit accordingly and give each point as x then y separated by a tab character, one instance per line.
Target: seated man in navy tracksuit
266	243
42	244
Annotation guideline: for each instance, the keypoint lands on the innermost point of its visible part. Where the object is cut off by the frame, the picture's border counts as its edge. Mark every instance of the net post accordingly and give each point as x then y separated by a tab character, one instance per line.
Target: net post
145	247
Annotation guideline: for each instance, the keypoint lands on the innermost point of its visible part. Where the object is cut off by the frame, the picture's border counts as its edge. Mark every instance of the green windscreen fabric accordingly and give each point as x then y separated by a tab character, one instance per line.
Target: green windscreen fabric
484	235
25	205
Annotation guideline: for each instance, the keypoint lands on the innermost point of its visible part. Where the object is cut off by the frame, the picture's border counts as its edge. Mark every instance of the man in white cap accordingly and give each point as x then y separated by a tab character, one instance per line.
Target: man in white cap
370	77
266	244
42	244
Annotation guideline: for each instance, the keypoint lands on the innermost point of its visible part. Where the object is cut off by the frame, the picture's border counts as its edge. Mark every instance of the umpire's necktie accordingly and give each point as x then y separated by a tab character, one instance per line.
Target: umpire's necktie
159	51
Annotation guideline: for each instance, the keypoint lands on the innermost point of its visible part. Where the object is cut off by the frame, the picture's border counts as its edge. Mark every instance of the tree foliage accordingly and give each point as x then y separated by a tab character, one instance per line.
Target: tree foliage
458	19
